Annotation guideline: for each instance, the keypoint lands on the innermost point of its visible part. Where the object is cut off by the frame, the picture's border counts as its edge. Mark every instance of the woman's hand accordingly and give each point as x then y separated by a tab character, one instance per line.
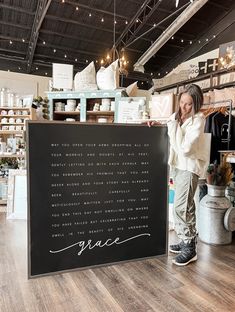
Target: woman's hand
151	123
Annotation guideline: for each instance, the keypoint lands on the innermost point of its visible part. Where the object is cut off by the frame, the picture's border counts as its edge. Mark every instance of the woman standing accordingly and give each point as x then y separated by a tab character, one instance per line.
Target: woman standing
187	160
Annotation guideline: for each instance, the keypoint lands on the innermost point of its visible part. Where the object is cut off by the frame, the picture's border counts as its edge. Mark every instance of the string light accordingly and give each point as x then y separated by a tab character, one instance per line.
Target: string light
54	50
77	8
23	40
44	42
102	20
89	14
76	59
65	56
11	42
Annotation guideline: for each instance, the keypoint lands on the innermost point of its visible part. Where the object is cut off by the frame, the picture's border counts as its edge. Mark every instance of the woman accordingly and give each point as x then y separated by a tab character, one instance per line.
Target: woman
187	162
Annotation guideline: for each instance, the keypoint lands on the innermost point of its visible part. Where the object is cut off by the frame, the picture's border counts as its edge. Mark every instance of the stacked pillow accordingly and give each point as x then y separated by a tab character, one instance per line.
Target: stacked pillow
105	79
86	79
108	78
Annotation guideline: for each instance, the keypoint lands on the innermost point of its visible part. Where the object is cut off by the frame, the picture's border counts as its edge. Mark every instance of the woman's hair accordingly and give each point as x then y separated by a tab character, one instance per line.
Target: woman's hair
196	94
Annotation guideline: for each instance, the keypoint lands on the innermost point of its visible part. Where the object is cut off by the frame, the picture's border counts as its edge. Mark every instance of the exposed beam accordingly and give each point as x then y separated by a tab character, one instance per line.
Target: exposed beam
222	23
60	34
52	59
16	25
197	20
12	51
16	8
89	8
8	38
142	15
190	10
40	13
66	49
70	21
79	38
93	9
220	6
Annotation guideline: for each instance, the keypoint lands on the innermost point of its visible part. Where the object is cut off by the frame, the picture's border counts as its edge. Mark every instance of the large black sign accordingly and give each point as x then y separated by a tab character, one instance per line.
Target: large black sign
97	194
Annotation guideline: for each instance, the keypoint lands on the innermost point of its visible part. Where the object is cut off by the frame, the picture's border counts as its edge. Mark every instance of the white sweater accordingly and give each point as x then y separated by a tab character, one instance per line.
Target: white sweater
187	145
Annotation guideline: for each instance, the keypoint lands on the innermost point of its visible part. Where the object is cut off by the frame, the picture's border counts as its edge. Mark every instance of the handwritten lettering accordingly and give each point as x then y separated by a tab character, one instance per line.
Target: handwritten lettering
83	245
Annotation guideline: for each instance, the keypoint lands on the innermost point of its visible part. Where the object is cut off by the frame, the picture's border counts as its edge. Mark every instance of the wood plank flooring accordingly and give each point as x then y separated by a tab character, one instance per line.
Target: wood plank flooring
207	285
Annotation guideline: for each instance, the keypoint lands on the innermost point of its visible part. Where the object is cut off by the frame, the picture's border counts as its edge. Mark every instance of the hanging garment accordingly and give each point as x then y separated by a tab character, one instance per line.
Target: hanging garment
218	125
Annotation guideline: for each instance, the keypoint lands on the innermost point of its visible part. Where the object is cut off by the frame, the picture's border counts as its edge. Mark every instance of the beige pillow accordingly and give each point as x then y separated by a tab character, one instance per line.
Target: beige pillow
108	78
86	79
161	106
131	90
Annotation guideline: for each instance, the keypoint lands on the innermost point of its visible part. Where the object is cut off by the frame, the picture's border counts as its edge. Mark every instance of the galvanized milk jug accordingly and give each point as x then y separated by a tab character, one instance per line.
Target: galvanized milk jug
213	214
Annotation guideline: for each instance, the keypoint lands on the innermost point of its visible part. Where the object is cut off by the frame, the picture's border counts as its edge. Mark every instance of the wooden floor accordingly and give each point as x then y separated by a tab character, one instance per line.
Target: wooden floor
138	286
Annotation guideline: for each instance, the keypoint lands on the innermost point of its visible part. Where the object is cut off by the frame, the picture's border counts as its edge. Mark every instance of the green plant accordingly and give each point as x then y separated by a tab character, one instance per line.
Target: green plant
221	174
9	162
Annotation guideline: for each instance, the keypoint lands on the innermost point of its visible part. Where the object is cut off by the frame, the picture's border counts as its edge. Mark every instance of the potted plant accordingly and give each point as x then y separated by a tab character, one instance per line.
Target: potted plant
219	176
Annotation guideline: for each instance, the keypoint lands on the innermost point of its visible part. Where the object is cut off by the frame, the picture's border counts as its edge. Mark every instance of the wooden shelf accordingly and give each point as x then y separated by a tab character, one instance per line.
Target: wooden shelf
210	76
11	132
3	201
15	108
12	123
15	116
100	113
67	113
12	156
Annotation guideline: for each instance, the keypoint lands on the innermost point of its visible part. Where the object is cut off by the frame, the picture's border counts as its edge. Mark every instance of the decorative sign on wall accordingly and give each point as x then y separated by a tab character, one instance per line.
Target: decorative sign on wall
227	55
208	66
97	194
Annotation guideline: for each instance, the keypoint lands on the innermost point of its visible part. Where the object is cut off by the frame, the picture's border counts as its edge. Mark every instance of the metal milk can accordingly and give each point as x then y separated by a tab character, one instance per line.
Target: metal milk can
216	217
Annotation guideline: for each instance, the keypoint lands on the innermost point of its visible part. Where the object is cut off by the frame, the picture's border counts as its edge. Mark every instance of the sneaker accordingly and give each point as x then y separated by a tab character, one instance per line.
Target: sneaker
176	248
188	254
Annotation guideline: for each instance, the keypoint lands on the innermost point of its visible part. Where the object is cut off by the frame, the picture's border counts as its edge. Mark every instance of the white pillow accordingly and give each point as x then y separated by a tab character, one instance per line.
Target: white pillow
86	79
131	90
108	78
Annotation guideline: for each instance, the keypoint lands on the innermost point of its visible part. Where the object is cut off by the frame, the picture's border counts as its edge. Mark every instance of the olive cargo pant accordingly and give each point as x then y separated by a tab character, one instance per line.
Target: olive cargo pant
184	206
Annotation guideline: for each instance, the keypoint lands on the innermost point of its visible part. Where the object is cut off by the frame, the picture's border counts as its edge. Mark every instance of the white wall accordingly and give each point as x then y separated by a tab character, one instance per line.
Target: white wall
24	84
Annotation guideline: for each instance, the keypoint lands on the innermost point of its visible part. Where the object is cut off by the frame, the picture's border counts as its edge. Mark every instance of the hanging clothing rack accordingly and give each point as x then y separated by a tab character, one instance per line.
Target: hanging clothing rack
230	105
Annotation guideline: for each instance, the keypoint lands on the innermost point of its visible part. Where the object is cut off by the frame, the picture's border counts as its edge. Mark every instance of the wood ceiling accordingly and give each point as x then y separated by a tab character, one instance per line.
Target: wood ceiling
34	34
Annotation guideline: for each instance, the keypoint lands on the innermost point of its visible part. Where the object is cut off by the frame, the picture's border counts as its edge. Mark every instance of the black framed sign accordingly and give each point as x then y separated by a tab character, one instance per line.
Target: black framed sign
97	194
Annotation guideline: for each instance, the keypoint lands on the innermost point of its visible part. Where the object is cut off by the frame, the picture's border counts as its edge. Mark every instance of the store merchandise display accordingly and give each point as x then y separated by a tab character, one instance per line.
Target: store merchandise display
86	79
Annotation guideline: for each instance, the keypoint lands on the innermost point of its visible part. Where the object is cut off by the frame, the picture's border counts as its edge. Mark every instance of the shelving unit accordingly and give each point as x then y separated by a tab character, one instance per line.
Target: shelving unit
86	99
23	113
215	79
